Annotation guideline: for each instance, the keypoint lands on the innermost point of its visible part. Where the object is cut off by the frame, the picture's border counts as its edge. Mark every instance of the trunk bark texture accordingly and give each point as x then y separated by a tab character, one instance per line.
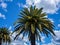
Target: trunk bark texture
0	41
32	39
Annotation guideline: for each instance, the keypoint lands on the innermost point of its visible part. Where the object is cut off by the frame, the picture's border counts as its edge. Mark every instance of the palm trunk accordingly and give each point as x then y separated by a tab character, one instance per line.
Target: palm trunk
0	41
32	39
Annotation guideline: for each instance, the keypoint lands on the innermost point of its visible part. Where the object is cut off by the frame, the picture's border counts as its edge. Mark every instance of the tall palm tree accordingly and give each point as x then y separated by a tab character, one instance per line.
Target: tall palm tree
32	21
4	35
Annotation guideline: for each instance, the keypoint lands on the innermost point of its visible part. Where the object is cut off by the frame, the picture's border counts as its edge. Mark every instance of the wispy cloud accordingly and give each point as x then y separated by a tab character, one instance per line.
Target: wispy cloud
2	16
3	5
55	39
10	0
50	6
58	25
25	41
6	0
19	40
51	20
20	5
49	44
10	27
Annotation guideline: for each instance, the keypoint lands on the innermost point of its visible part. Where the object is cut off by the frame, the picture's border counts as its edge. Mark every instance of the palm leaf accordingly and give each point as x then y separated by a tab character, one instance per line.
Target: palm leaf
32	28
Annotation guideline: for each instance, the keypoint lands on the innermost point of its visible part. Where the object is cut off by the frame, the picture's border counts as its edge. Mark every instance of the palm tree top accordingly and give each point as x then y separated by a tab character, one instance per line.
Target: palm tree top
33	20
5	34
4	29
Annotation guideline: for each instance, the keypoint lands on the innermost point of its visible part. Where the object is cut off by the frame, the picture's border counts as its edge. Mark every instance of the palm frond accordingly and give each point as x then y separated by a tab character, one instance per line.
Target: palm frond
32	28
31	20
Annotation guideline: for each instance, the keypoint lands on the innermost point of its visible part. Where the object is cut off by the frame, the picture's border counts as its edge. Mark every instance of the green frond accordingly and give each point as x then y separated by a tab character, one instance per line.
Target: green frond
37	34
46	32
17	29
32	28
31	10
49	29
4	33
43	14
40	27
26	10
26	25
39	11
31	20
25	33
18	34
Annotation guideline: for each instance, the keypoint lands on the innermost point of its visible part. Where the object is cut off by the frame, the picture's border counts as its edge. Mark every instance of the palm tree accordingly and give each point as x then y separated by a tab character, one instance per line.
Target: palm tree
32	21
4	35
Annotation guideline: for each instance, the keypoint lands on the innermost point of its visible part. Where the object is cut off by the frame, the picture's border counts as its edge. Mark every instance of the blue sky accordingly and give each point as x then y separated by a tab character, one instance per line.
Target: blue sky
10	9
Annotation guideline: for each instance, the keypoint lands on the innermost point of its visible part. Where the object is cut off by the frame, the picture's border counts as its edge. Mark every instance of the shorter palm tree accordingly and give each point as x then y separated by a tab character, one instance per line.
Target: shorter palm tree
4	35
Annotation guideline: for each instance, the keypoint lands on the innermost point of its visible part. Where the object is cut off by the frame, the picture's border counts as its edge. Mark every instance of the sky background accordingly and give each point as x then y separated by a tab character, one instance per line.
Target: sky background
10	9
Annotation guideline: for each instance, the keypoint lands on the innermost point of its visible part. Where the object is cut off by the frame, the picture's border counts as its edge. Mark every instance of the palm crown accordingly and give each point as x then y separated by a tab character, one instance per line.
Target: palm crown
4	35
33	21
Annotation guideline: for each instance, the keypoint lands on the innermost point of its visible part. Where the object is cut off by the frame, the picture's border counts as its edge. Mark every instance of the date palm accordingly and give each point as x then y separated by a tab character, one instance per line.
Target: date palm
32	21
4	35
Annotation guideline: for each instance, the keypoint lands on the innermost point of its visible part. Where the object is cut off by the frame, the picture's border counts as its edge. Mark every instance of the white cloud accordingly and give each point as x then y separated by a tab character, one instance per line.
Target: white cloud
42	39
3	5
10	0
50	6
6	0
58	25
10	27
19	40
55	40
37	43
2	16
57	32
49	44
20	5
25	41
51	20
